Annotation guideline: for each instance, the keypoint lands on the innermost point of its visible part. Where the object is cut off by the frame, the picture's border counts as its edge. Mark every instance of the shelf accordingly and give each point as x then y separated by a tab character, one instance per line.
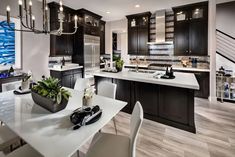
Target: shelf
227	99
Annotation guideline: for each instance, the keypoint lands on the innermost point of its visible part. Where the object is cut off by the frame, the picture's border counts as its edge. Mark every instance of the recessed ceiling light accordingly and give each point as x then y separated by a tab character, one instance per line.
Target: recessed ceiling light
108	12
137	5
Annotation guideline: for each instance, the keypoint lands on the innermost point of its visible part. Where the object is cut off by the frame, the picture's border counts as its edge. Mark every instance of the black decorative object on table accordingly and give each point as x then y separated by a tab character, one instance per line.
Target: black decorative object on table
85	116
21	92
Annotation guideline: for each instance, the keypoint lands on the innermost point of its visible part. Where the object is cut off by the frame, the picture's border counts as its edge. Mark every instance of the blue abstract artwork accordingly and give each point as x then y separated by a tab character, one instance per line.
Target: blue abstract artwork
7	44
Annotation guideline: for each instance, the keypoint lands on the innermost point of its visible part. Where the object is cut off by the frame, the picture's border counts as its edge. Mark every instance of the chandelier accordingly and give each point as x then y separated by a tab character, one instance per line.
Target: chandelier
27	19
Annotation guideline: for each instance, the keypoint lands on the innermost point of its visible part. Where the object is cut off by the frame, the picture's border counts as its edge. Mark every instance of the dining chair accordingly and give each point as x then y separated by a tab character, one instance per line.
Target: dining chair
108	90
7	137
106	145
81	84
24	151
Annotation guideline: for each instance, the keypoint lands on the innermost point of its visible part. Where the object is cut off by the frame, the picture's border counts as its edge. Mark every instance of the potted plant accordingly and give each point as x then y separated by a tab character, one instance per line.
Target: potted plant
25	83
88	94
119	63
49	94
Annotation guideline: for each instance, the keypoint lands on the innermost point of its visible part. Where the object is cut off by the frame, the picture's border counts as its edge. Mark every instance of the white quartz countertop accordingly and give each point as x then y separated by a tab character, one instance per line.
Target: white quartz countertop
182	80
66	67
190	69
175	67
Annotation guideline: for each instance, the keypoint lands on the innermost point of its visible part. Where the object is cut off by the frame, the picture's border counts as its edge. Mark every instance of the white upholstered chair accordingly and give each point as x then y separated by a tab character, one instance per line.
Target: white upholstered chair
24	151
81	84
7	137
108	90
108	145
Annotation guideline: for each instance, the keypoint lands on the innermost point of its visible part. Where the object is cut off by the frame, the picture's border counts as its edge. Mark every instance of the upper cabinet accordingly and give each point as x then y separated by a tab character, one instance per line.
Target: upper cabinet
102	37
61	45
90	22
191	29
138	33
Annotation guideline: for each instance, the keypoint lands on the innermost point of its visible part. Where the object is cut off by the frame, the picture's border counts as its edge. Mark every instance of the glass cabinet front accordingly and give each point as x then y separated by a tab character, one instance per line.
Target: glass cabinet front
197	13
143	21
181	16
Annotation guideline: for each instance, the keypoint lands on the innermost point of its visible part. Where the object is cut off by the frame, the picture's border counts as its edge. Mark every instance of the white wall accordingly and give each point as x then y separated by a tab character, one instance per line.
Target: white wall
221	61
119	41
225	21
35	48
119	27
113	26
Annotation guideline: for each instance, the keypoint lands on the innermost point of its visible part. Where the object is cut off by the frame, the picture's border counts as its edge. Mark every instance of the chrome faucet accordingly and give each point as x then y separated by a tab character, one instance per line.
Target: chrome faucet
137	68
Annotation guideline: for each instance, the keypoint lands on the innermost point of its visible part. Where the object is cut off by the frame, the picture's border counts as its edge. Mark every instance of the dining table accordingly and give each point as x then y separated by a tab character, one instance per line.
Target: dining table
52	134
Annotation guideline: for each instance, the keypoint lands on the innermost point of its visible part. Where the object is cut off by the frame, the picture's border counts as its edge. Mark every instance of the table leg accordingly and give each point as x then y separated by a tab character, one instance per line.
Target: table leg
80	154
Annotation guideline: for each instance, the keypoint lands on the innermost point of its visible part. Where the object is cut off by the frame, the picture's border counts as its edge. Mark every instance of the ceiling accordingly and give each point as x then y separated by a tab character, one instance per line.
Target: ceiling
120	8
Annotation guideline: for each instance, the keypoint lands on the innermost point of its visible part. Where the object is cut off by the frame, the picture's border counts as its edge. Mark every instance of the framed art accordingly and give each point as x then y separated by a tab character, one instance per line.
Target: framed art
10	44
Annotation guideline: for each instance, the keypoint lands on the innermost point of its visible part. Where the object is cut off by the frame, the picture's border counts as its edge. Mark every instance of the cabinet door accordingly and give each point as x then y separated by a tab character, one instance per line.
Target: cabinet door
66	81
133	40
124	93
147	95
181	38
173	104
102	38
143	38
198	38
204	83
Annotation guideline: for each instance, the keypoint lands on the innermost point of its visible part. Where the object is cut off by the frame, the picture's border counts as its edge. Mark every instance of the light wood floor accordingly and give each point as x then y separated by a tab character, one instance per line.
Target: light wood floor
215	137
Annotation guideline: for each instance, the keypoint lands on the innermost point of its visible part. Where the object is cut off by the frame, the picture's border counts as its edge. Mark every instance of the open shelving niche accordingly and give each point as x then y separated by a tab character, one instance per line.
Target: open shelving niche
225	88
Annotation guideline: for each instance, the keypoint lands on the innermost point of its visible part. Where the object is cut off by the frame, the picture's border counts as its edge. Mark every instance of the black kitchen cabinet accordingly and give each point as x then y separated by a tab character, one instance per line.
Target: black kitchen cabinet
138	33
165	104
198	38
61	45
168	109
67	78
191	29
102	37
181	38
124	93
148	95
143	38
133	41
203	79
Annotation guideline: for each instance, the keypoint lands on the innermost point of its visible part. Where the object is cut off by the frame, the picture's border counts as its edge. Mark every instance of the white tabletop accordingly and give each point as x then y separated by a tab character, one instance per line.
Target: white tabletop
52	134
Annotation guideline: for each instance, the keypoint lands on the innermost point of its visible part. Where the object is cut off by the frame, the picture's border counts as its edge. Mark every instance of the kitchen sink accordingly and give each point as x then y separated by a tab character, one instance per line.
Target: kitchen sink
142	71
66	66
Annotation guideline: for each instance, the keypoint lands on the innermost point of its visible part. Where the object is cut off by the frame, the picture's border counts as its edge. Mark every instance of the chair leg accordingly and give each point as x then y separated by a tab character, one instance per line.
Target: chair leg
114	122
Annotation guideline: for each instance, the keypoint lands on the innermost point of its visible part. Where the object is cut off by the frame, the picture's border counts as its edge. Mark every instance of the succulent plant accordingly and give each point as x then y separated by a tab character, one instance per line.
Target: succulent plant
51	88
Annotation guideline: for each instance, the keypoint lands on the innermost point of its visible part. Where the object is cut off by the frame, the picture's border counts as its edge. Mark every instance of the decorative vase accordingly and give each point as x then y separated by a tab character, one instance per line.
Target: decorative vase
25	85
48	103
119	69
87	102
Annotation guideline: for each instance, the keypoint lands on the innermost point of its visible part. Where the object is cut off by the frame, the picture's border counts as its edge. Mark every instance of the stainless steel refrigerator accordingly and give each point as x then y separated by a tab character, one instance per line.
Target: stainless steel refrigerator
91	56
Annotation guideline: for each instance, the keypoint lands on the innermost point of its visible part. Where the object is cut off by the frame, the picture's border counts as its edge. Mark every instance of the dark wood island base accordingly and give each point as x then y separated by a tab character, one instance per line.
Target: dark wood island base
173	106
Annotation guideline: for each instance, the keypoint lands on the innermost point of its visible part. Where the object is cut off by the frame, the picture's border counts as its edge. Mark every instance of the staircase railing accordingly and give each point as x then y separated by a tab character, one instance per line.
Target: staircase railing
225	45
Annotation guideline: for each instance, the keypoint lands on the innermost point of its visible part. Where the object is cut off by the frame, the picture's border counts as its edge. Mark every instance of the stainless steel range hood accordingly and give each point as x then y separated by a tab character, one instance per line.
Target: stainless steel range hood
160	29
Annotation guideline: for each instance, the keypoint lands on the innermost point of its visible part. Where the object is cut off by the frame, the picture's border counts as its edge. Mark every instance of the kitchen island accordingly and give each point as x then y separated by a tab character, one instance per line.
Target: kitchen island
168	101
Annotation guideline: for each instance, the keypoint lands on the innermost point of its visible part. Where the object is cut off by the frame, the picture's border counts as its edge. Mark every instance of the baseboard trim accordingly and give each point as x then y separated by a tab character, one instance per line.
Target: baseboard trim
212	99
